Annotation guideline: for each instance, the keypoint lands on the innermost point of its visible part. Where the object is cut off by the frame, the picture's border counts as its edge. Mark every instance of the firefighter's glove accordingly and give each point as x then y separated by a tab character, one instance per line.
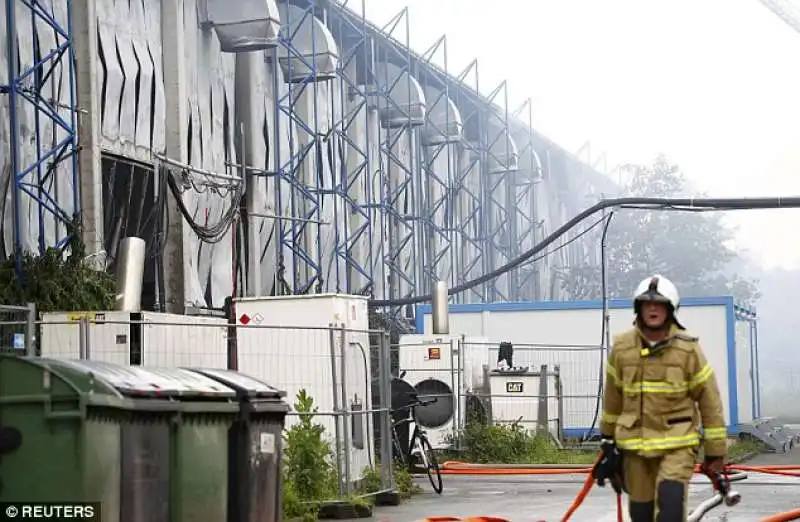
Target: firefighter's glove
713	468
609	466
713	464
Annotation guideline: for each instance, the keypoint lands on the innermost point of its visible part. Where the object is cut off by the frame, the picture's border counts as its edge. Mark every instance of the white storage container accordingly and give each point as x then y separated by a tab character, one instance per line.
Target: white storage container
138	338
287	342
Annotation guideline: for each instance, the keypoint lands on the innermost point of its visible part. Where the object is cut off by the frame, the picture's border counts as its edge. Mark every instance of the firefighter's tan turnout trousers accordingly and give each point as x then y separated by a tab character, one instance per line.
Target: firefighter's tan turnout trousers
658	481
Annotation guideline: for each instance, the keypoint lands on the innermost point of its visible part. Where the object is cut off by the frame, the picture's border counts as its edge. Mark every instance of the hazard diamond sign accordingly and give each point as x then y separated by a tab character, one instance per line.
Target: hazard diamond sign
244	319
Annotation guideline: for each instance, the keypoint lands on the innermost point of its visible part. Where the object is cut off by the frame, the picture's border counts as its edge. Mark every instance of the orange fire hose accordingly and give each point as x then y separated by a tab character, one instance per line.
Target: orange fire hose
783	517
461	468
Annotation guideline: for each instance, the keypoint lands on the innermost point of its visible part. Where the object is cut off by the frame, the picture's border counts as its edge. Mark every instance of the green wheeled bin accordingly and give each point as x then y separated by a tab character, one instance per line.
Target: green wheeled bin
199	478
87	432
254	480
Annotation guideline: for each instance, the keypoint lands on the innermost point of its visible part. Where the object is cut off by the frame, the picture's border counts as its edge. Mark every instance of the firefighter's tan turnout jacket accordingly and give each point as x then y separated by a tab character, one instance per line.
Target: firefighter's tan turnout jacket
653	396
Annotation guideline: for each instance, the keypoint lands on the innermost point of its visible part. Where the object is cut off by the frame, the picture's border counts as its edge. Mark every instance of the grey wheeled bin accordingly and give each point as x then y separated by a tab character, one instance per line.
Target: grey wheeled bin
254	482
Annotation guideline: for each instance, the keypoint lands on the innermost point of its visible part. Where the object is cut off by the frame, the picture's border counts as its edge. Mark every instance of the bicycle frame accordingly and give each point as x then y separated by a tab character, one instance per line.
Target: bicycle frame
414	441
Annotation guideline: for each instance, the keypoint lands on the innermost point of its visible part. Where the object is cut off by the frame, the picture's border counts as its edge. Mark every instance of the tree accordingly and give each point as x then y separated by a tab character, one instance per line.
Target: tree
693	249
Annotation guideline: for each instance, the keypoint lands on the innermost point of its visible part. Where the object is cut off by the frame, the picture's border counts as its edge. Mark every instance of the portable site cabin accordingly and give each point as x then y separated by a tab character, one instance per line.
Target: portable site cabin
570	333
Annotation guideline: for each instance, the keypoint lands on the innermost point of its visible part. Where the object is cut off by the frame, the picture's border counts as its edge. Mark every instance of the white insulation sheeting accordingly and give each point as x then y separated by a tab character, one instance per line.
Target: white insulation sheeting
355	186
130	78
211	81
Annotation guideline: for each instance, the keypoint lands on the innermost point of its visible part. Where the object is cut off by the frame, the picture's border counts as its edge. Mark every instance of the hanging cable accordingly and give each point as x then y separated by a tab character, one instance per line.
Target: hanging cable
566	243
603	329
661	204
207	234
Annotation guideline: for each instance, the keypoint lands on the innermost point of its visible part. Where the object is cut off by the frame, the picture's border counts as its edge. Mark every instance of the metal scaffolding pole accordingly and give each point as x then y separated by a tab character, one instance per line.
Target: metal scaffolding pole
302	184
524	202
442	134
356	245
469	190
500	164
41	113
402	108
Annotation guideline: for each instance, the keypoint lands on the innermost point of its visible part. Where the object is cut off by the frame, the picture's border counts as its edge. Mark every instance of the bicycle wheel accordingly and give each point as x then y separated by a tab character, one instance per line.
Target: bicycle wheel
431	464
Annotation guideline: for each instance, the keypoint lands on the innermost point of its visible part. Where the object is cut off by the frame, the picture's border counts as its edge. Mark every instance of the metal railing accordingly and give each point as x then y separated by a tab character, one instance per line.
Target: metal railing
346	371
17	328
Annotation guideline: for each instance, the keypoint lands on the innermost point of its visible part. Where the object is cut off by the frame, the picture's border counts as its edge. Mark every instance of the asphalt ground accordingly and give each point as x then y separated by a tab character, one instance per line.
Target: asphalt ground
537	498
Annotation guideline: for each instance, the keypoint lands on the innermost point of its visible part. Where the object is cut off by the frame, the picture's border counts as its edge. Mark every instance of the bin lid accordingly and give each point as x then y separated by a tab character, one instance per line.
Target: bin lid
124	379
30	376
152	382
244	384
192	384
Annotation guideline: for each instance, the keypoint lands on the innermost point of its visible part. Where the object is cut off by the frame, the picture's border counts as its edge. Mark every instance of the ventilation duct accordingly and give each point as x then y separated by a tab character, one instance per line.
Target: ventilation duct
405	106
502	155
311	53
530	164
443	123
252	25
130	275
473	150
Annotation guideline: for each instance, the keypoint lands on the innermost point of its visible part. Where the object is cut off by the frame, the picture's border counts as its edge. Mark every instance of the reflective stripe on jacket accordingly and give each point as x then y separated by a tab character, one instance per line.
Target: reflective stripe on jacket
654	403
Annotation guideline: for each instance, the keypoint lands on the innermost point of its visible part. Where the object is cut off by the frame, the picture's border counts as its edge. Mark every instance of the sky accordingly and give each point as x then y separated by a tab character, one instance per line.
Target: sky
712	84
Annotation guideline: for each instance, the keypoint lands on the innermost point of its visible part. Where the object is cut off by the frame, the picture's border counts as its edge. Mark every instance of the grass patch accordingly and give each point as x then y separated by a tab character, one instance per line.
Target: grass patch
740	449
513	444
371	482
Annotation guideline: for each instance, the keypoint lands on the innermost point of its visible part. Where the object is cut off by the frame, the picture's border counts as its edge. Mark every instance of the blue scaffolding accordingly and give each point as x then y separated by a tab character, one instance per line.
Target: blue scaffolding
402	110
431	179
356	245
443	134
299	175
37	102
470	213
524	201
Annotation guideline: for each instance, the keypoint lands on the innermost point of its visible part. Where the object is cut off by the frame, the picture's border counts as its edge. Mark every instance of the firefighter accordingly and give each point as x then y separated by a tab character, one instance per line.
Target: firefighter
659	388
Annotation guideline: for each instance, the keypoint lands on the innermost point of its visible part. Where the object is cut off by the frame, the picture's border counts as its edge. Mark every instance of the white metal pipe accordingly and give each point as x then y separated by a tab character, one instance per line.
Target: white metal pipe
130	274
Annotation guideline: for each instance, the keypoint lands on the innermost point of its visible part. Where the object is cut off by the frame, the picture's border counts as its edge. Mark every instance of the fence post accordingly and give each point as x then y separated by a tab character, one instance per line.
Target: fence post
542	414
336	410
560	399
487	394
455	387
84	342
233	347
30	330
346	420
384	396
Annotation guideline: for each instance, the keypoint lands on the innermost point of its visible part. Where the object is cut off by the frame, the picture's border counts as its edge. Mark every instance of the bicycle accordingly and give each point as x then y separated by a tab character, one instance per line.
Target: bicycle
419	445
722	494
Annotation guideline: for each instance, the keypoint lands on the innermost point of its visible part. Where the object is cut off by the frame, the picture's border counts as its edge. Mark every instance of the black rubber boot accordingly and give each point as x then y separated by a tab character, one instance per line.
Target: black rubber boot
671	501
642	511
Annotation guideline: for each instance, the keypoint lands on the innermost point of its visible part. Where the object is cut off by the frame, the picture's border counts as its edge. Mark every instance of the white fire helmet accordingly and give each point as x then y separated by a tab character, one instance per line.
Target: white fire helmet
660	289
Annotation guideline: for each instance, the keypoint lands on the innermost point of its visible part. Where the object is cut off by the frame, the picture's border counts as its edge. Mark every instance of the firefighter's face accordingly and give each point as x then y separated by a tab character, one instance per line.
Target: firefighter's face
654	314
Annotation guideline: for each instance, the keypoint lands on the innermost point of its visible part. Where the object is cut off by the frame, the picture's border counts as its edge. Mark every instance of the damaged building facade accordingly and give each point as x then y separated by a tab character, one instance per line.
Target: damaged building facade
278	148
